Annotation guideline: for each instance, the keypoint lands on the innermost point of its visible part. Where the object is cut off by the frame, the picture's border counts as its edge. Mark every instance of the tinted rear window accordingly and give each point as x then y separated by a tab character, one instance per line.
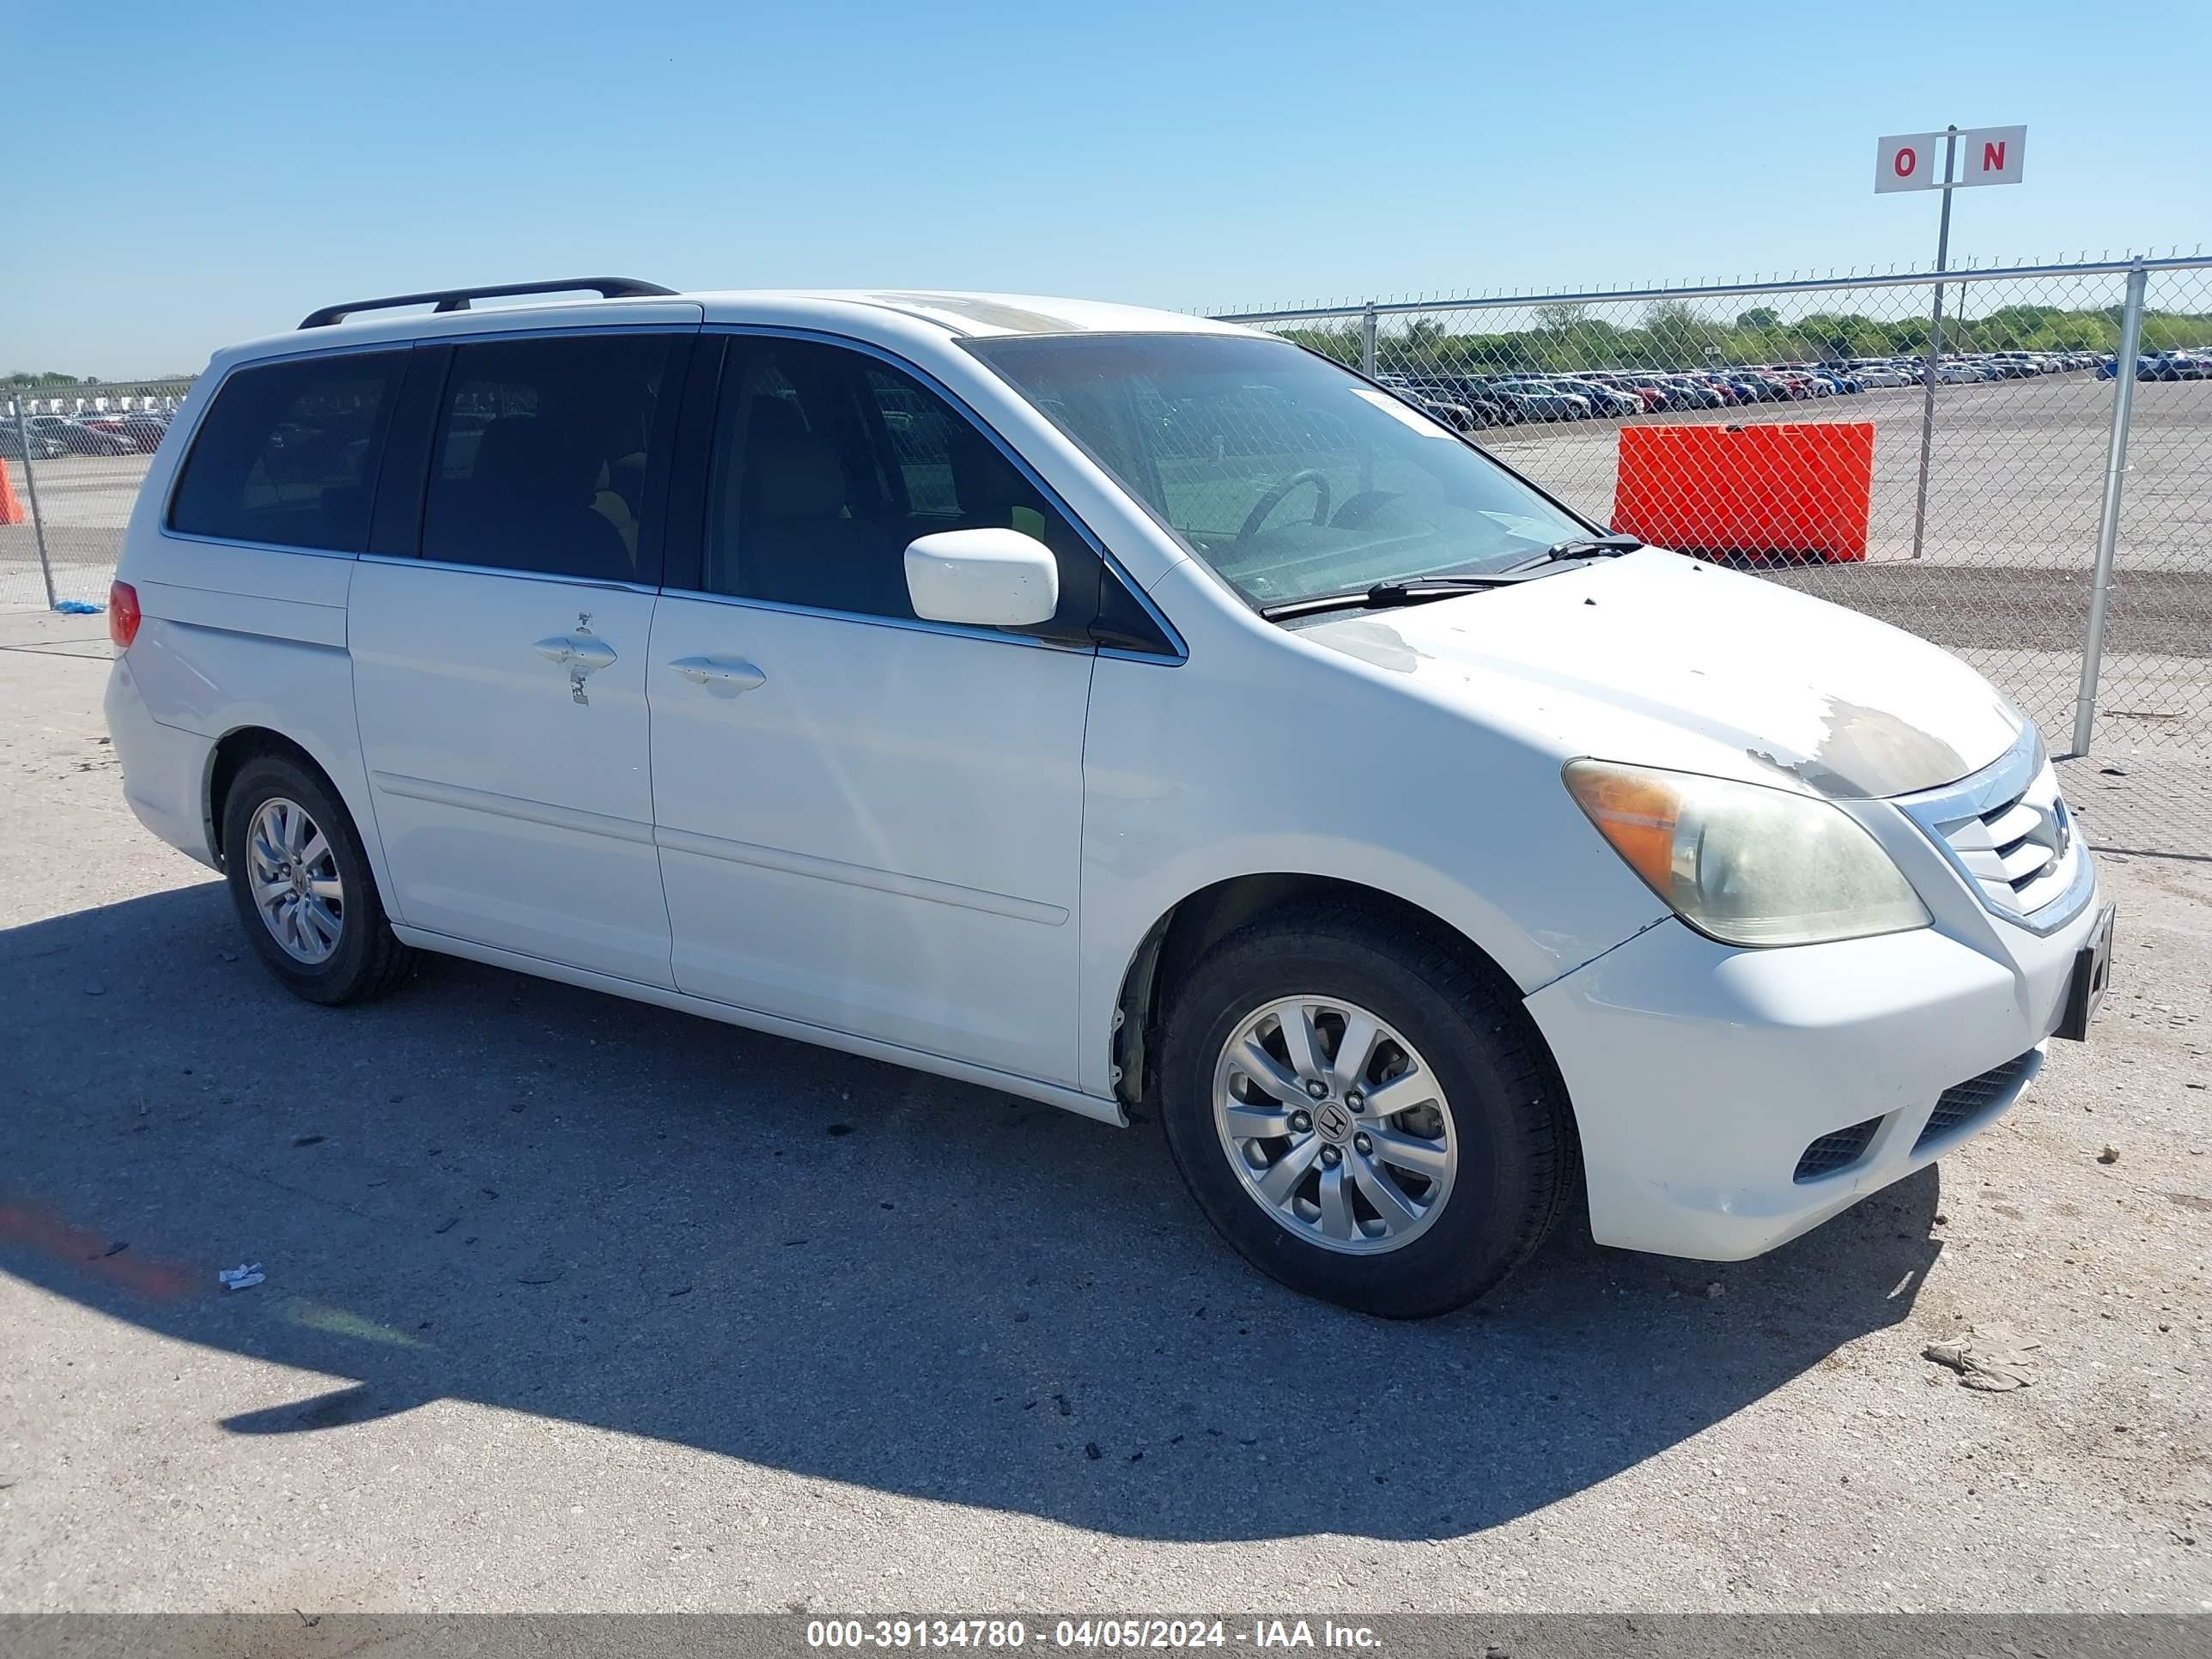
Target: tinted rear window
542	455
288	453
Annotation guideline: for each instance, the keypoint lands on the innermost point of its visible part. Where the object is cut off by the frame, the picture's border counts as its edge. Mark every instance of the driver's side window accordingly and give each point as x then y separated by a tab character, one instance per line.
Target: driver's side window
827	462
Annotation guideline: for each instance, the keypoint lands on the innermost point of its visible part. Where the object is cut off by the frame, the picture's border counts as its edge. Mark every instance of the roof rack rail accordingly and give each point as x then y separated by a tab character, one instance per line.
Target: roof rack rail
456	299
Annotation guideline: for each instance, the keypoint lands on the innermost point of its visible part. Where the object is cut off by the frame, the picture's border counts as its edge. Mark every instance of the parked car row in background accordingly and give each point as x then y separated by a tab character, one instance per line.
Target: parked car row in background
17	445
2193	365
137	433
1471	401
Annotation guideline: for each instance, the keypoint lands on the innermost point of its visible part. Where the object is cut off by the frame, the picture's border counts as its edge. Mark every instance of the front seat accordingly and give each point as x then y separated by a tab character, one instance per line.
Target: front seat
796	544
992	493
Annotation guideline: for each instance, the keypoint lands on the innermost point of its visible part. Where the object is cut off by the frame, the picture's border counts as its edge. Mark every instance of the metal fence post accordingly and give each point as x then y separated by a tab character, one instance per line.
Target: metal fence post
1935	365
30	495
2108	521
1367	341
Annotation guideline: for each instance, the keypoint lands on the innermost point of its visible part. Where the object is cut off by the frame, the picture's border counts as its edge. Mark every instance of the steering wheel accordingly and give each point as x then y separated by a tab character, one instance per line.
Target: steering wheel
1273	499
1362	508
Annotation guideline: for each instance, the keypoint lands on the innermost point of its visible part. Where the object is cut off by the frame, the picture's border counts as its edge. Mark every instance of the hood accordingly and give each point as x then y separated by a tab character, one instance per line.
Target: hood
1656	660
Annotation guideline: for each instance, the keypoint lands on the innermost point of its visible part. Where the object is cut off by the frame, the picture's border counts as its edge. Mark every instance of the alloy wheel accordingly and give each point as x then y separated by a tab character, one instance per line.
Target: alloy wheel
292	871
1335	1125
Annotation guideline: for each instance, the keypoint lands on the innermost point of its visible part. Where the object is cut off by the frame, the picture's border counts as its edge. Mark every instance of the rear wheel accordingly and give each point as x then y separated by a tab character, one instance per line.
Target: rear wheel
1364	1114
302	885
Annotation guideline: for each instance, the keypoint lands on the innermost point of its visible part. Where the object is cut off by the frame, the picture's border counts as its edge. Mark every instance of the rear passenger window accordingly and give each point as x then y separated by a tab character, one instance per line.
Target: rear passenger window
288	453
542	454
827	463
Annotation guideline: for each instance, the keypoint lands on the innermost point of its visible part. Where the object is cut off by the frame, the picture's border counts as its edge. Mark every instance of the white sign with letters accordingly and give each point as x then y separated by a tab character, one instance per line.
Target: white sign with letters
1914	161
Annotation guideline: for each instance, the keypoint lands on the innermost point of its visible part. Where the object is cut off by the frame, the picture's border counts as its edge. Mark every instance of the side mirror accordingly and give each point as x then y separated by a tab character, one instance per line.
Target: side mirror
985	578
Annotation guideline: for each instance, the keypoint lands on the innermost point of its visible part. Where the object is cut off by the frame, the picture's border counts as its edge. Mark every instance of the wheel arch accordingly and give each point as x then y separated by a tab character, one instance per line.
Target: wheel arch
1182	934
233	752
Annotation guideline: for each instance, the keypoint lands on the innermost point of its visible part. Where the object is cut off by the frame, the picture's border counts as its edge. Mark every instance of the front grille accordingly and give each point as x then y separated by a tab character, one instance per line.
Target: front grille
2008	828
2017	849
1838	1150
1966	1104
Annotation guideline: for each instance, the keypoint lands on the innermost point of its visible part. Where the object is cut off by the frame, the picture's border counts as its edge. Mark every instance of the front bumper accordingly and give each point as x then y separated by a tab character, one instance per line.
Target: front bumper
1701	1073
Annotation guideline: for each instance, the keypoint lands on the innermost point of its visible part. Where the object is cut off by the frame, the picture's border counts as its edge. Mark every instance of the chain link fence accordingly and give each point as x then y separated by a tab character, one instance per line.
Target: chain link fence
1987	516
75	456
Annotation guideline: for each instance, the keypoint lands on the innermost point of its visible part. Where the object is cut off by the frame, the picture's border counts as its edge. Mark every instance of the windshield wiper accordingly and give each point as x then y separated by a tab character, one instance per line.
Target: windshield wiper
1583	547
1385	595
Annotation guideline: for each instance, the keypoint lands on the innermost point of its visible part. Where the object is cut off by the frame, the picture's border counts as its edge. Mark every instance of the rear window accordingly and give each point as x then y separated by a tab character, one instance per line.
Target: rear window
543	448
288	453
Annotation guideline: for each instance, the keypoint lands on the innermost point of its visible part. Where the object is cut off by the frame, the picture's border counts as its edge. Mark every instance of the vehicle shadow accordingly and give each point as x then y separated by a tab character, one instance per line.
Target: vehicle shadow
495	1188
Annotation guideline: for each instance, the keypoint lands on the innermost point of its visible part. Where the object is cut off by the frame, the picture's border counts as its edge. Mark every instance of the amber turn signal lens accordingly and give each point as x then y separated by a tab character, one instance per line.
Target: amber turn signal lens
1637	812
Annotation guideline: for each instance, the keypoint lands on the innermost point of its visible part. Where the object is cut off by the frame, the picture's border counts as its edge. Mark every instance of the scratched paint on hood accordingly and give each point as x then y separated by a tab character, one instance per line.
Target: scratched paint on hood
1376	643
1867	751
1655	659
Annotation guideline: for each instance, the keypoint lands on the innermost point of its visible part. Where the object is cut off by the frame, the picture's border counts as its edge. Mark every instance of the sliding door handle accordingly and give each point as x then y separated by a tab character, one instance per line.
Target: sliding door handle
724	676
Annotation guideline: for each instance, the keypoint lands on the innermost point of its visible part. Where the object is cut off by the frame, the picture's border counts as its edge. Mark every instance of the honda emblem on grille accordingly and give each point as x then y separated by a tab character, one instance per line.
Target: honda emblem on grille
2054	827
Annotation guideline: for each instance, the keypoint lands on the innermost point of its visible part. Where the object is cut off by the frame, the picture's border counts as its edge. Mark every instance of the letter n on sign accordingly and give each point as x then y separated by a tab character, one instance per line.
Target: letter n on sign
1992	155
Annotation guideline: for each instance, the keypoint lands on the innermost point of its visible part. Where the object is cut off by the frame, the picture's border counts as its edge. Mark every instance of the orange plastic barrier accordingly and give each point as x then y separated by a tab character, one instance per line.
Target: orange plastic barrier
1780	491
11	506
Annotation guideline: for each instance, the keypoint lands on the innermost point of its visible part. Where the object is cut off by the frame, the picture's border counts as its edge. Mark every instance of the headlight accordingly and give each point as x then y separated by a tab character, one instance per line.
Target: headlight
1744	864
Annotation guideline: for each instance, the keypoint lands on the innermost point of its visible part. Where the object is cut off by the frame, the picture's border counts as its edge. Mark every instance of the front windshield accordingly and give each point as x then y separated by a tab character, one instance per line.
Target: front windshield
1288	475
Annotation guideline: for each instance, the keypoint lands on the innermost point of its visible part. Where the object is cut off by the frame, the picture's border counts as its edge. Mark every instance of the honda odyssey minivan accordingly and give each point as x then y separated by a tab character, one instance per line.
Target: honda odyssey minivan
1111	708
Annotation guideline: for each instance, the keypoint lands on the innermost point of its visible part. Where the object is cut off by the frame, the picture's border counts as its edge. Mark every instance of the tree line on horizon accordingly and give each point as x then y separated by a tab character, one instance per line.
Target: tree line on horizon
1675	334
54	380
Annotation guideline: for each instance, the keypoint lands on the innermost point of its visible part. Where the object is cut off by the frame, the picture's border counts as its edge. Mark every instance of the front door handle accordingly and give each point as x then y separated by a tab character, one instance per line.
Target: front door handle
573	650
723	676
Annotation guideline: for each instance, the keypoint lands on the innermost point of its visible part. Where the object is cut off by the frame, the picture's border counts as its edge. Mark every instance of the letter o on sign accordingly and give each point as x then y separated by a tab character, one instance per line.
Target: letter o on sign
1902	160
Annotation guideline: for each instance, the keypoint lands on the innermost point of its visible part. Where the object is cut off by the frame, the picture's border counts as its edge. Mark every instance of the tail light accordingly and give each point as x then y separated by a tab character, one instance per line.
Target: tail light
123	615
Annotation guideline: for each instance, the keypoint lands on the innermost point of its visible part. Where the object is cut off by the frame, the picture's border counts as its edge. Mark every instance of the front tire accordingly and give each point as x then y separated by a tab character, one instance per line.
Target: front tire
1364	1114
300	883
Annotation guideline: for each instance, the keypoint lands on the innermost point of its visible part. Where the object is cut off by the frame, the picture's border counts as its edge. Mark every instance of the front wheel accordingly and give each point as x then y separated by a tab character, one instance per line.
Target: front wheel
1363	1114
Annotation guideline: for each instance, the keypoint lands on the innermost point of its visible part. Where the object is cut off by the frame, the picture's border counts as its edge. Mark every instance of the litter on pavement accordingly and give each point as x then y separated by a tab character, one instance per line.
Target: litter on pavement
1992	1362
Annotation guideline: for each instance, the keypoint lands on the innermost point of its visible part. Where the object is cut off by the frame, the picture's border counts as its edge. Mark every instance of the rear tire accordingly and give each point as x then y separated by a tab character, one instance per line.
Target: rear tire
1498	1158
300	883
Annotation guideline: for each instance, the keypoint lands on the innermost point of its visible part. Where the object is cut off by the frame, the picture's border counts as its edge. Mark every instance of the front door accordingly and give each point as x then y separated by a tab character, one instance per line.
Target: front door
866	822
500	678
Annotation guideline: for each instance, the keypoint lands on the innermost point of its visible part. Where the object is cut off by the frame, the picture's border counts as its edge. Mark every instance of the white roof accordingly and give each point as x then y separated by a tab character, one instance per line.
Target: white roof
972	315
867	314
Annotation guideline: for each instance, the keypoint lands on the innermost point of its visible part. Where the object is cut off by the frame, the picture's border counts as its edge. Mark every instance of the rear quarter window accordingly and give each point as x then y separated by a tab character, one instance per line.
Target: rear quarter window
288	453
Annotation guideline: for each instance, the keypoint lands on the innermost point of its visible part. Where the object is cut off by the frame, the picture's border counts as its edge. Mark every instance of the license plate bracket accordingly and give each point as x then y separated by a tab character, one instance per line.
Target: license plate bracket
2093	973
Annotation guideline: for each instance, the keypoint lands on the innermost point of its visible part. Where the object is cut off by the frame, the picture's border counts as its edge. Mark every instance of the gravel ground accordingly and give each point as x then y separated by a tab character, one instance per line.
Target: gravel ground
572	1303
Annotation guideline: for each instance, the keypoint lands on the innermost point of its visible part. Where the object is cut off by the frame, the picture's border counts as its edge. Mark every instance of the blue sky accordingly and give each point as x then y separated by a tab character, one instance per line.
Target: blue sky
186	175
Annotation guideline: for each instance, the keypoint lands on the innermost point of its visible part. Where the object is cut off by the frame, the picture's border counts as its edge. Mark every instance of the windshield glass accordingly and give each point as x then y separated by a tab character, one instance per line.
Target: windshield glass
1288	475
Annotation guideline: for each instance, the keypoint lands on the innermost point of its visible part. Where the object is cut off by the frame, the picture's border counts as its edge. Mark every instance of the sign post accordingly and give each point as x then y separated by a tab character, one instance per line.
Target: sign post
1994	155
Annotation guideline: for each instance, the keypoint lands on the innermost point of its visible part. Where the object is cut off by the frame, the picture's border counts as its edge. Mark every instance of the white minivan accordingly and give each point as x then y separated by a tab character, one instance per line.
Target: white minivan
1111	708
